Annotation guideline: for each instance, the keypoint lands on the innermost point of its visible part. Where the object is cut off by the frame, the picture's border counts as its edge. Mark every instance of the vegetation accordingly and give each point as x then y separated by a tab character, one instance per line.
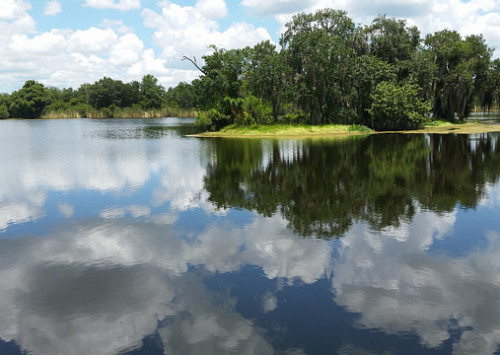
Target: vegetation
105	98
328	70
321	193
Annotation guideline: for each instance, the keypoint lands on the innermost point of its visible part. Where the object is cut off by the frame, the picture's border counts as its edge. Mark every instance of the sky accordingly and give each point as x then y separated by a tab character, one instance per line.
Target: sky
65	43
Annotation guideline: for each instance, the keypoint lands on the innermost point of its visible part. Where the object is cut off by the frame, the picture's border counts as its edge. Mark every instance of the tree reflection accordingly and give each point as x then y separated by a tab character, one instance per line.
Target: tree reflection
322	187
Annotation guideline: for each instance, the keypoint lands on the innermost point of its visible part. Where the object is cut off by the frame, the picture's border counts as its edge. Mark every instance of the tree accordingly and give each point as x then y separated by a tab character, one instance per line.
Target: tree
152	93
4	106
391	40
489	92
368	71
460	71
320	49
223	71
29	101
397	106
183	95
265	75
107	92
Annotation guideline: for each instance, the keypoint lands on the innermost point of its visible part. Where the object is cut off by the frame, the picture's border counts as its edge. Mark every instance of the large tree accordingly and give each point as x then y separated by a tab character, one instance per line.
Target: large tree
321	48
461	67
391	40
266	75
152	93
29	101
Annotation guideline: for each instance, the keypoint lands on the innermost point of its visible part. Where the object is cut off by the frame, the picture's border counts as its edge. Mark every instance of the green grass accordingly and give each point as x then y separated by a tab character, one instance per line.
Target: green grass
284	130
439	123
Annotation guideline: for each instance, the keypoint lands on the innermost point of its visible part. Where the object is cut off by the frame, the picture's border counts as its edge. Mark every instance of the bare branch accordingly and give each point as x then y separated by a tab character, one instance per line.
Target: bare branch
193	61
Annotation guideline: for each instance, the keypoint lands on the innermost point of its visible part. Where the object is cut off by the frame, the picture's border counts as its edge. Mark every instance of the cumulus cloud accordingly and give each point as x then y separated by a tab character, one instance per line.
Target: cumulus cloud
111	4
264	7
188	30
213	9
68	58
52	8
11	9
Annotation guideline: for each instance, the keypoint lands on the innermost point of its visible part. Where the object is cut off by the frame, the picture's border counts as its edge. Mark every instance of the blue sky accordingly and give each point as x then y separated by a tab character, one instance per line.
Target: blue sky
65	43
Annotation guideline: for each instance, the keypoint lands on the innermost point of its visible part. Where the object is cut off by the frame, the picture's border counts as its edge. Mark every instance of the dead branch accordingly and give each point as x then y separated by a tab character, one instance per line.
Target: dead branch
193	61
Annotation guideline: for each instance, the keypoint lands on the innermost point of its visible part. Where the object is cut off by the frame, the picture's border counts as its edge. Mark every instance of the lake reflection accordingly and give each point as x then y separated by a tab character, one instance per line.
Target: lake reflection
126	237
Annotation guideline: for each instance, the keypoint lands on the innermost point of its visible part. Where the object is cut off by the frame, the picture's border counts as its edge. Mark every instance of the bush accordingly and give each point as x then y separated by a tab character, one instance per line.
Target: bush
396	107
359	128
212	120
256	112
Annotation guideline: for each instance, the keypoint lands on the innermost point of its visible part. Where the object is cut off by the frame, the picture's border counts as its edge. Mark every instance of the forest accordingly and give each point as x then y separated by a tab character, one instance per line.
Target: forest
102	99
326	70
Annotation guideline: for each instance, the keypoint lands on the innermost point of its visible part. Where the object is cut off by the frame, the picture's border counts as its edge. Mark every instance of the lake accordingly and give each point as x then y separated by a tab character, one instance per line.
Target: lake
128	237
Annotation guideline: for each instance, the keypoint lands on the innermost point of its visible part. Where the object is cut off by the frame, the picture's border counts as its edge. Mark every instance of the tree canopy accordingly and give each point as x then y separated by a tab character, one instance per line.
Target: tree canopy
330	70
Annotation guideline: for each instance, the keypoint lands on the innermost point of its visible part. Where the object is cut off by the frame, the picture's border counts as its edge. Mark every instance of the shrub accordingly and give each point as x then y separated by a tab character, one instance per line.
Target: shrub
396	107
212	120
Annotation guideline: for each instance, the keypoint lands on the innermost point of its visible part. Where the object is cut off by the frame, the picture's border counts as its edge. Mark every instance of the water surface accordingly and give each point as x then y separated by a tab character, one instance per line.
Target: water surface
127	237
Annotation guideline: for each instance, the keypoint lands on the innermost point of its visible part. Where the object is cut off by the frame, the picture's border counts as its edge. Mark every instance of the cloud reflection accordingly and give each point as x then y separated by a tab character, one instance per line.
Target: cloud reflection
88	282
396	286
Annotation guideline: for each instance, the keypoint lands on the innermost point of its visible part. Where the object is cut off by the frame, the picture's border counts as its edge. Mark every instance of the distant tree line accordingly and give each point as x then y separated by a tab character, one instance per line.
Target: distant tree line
104	98
329	70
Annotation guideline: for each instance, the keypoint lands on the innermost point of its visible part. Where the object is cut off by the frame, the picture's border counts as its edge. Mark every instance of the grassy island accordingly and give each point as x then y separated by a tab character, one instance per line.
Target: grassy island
310	131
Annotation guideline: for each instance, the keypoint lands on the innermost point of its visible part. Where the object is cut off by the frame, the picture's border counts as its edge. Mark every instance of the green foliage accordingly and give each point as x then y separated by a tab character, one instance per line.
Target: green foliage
183	96
266	76
30	101
106	92
223	70
391	40
328	71
255	111
397	107
152	93
368	71
4	106
4	112
321	193
320	49
294	118
359	128
461	69
212	120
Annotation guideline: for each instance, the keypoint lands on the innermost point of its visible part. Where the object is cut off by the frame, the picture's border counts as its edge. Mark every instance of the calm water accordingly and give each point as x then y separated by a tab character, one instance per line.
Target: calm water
126	237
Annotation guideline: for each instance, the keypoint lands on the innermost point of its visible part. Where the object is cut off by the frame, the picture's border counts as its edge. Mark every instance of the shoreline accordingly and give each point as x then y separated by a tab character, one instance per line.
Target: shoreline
339	131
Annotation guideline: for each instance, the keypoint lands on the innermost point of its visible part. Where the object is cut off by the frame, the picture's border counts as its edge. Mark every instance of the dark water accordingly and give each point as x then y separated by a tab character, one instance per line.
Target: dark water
126	237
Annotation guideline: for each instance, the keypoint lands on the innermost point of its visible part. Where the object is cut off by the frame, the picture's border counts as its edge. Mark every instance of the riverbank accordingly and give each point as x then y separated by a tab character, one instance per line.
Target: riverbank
306	131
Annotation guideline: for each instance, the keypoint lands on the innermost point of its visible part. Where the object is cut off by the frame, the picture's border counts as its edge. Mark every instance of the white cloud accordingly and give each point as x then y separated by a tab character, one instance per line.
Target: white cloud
127	51
111	4
213	9
265	7
12	9
117	25
52	8
187	30
93	40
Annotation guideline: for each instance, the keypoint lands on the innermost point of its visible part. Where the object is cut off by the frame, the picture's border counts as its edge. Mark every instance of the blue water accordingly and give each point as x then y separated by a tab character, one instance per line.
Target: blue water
130	237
